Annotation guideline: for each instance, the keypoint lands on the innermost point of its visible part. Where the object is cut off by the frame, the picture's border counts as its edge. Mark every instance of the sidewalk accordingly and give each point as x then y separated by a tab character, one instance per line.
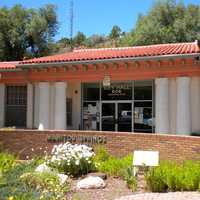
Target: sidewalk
163	196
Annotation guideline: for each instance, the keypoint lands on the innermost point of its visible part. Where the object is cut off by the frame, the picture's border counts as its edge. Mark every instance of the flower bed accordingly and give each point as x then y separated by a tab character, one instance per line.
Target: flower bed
74	160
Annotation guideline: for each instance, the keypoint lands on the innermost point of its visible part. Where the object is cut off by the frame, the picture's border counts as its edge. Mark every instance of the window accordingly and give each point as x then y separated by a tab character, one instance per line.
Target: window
16	103
117	91
137	95
69	111
91	91
144	119
143	90
91	117
91	98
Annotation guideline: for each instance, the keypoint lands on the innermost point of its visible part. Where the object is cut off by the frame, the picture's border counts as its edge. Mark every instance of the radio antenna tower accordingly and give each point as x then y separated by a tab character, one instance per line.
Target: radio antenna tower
71	23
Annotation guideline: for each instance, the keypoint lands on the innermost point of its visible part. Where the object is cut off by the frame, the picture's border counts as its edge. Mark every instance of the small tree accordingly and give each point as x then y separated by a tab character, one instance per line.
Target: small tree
115	34
79	39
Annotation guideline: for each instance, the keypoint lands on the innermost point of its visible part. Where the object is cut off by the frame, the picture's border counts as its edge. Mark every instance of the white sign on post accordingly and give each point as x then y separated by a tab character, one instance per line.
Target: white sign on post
146	158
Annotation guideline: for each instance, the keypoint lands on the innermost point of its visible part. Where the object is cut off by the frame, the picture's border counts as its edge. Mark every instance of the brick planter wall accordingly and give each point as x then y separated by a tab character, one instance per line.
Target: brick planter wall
170	147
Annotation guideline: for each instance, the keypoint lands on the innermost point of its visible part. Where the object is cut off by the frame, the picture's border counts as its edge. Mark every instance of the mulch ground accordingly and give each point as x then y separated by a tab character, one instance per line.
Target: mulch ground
115	188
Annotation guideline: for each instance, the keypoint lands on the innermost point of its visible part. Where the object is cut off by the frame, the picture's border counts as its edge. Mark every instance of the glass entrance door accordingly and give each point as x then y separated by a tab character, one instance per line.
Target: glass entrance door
108	117
124	117
116	116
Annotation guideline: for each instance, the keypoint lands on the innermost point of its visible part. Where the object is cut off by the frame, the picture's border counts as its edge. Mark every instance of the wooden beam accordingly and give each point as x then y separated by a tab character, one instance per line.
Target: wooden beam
159	63
115	66
137	64
183	61
45	69
74	68
126	65
172	62
34	69
105	66
85	67
95	67
65	68
147	64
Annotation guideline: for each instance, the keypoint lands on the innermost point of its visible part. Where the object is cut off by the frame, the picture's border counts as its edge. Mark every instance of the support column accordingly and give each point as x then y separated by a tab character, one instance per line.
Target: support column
162	105
2	105
172	105
195	104
29	112
36	105
43	105
52	106
60	106
183	117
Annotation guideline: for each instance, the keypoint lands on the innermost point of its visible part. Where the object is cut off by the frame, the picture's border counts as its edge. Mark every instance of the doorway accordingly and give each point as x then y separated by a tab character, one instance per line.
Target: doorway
116	116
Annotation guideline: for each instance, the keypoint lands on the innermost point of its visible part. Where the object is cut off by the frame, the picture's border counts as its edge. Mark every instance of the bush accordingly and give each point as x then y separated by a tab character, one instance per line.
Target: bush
130	179
170	176
7	162
101	154
71	159
155	179
22	183
117	167
11	185
46	184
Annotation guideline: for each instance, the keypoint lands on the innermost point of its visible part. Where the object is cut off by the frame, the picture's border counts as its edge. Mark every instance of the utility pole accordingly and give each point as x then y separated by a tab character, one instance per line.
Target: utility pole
71	23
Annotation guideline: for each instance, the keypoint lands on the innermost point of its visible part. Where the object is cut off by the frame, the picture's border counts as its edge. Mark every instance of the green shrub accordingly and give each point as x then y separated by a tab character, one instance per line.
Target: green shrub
155	179
46	184
117	167
170	176
24	196
7	162
101	154
22	183
11	185
130	179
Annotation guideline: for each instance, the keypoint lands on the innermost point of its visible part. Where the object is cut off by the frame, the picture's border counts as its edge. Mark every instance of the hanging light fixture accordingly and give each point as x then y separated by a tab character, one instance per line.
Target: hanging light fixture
106	81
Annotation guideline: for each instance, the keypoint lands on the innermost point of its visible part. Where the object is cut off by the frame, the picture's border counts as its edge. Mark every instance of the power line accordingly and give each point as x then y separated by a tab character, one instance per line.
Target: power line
71	23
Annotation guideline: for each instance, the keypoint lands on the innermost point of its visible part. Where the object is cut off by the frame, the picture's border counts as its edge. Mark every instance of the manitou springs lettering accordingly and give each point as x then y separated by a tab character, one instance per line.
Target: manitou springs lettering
77	139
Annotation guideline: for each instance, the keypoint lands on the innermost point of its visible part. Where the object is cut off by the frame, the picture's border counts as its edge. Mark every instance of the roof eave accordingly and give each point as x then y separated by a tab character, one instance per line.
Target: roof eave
144	58
10	69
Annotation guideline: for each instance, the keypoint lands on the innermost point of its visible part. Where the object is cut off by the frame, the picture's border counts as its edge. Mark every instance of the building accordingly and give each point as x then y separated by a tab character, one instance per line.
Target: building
153	88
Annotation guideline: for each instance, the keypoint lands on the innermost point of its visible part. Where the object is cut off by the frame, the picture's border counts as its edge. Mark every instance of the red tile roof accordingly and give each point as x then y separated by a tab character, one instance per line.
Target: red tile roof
123	52
8	65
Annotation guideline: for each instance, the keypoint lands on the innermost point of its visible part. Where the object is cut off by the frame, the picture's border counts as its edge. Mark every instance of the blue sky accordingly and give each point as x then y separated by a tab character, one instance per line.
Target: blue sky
93	16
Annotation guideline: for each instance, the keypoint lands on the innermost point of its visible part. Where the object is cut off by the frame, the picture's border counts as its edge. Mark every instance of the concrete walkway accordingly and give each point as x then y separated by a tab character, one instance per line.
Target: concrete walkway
163	196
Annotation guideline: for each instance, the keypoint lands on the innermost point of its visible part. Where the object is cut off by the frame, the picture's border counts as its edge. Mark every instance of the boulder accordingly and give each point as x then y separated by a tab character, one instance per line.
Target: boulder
43	168
63	178
98	174
91	182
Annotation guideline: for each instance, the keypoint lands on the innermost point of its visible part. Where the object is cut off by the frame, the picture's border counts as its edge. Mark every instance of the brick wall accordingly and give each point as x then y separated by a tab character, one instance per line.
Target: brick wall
170	147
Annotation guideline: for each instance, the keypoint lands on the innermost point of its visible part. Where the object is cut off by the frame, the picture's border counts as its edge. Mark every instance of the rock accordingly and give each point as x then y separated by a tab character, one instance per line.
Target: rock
43	168
63	178
91	182
98	174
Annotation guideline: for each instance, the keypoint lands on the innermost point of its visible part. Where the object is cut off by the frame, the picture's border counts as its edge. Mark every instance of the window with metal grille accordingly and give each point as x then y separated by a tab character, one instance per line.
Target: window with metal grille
69	111
16	105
